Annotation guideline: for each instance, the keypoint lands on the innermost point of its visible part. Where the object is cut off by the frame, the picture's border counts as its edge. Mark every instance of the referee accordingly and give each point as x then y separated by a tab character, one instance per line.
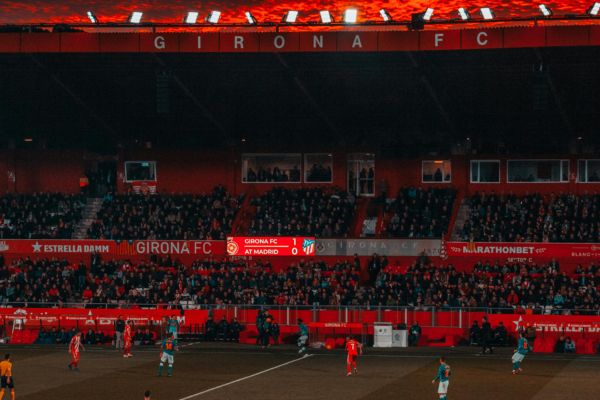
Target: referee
6	379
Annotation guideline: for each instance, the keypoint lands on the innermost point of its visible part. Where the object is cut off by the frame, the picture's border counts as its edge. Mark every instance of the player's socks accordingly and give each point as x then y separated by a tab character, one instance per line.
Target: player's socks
12	395
2	394
170	370
160	368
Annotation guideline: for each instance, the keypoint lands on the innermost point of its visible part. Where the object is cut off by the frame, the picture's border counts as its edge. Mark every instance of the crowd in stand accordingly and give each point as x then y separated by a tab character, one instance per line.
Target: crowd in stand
62	336
183	217
509	286
303	212
420	213
274	174
39	216
533	218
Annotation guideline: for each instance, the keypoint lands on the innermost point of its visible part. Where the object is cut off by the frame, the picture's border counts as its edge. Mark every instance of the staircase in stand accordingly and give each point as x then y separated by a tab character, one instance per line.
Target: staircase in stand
461	216
90	212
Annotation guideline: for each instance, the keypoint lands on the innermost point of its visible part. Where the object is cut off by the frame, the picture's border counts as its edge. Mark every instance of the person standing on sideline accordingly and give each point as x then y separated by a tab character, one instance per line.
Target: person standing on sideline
486	337
119	330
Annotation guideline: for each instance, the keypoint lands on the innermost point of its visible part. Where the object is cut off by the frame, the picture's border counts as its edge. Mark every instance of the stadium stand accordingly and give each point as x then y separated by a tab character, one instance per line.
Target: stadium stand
563	217
39	216
420	213
174	217
303	212
507	287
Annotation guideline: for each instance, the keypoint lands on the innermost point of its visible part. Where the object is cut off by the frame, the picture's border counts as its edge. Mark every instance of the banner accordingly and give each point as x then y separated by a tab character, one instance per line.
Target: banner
384	247
369	39
49	247
522	250
567	324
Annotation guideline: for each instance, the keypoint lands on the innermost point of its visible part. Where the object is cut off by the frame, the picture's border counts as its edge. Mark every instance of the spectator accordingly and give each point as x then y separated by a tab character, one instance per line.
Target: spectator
119	329
90	337
569	345
303	212
222	329
486	336
210	330
234	330
475	334
184	217
420	213
275	332
39	216
533	218
500	334
559	347
414	334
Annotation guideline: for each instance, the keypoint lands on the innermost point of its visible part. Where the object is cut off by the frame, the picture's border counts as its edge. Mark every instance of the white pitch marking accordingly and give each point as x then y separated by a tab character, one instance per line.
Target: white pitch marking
245	378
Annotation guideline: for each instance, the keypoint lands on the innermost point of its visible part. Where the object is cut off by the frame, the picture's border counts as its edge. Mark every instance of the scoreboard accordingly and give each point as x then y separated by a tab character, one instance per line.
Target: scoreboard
271	246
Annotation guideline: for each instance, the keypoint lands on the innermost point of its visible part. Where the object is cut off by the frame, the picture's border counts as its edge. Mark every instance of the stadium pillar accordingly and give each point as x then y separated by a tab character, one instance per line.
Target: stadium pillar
460	318
287	315
433	317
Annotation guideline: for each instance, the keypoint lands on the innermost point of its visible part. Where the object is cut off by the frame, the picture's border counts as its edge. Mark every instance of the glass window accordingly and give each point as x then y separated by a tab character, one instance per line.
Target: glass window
540	171
361	174
281	168
588	171
140	171
485	171
318	168
437	171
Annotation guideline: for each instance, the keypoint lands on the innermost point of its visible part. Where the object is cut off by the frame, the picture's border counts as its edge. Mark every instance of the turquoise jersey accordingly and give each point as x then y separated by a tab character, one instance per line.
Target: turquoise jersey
303	330
443	373
173	325
168	346
523	347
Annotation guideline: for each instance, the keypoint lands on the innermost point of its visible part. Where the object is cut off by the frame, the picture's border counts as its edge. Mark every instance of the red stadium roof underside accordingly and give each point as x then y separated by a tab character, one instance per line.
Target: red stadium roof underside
173	11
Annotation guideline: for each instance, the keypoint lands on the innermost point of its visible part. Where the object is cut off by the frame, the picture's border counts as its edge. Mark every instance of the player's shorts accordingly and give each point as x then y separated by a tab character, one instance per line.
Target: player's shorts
168	358
174	334
352	358
302	340
518	357
4	384
443	387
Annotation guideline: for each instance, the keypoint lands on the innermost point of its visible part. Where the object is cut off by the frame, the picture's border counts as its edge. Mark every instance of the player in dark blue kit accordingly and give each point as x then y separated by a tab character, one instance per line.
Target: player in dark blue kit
167	355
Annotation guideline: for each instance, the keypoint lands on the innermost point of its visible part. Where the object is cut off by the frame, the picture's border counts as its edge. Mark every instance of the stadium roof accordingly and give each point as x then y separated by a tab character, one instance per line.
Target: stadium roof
530	100
173	11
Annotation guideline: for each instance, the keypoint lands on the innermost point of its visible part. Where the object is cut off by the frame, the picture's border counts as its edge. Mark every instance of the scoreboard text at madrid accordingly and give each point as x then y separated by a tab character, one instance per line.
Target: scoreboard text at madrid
271	246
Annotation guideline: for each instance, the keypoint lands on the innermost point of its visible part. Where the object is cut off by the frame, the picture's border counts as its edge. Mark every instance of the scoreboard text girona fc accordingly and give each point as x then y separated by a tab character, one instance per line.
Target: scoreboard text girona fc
271	246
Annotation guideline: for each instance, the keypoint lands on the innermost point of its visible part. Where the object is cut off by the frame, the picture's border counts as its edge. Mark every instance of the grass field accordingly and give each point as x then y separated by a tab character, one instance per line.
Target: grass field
209	371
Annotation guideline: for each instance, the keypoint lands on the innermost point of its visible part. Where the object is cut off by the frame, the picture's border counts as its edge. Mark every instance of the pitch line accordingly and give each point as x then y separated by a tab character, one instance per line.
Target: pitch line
245	378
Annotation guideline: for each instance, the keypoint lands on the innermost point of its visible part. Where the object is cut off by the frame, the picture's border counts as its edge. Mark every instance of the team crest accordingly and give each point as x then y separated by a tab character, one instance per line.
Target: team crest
308	246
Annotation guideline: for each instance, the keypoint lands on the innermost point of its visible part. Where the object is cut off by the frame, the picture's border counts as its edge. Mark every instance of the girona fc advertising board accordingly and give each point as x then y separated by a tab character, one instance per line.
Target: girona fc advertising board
49	247
271	246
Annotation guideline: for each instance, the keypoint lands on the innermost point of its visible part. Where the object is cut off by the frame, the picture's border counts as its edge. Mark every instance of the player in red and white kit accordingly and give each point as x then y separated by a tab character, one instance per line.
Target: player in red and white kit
354	348
75	346
128	339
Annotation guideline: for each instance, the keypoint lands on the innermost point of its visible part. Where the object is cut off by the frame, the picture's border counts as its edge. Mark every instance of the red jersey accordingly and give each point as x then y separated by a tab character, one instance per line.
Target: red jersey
75	344
127	333
352	347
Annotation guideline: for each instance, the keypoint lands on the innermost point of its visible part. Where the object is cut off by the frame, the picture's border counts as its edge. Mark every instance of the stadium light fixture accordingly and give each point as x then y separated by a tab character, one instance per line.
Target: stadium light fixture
464	14
213	17
385	15
350	15
136	17
250	18
428	14
546	12
92	17
191	17
594	9
487	13
325	17
290	17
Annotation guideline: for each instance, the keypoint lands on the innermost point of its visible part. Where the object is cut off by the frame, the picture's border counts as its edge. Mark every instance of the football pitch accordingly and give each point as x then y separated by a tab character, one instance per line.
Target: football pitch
238	372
